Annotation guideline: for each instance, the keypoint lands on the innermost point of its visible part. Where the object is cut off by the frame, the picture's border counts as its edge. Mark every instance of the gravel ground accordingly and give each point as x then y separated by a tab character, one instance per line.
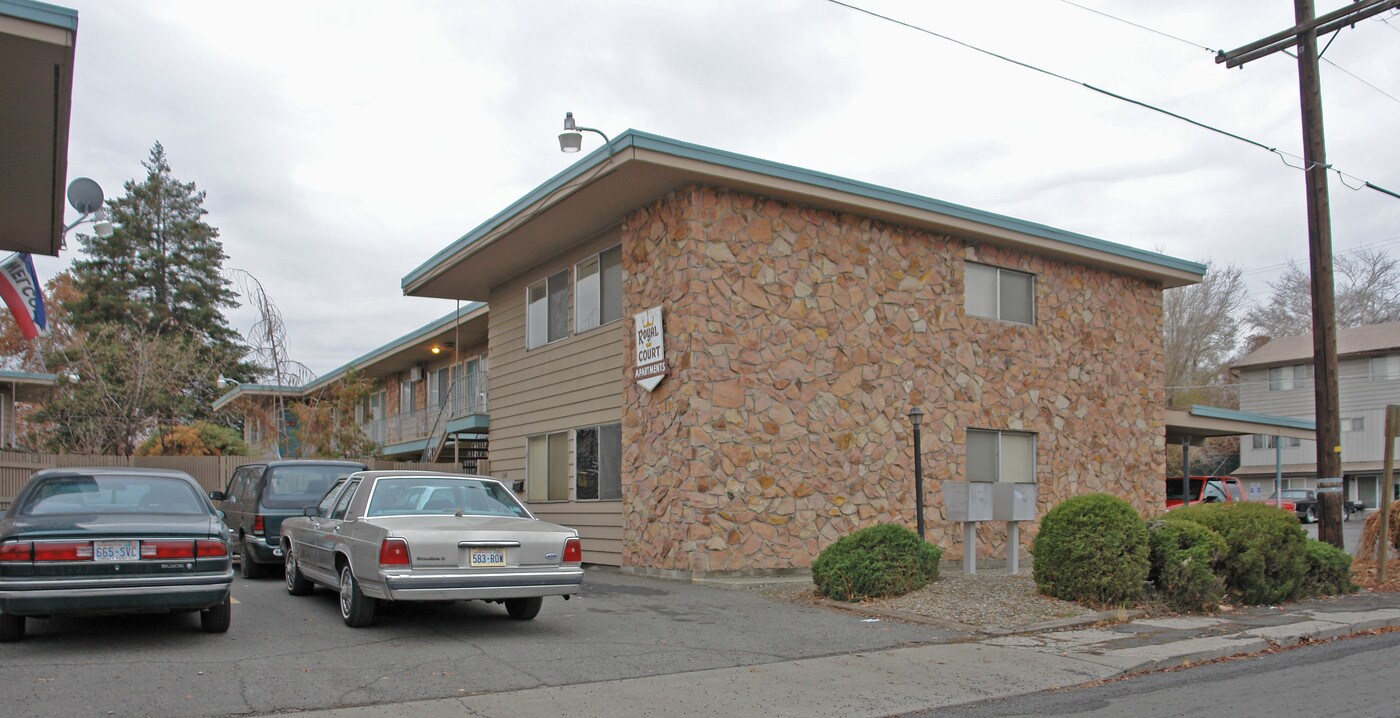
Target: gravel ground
990	597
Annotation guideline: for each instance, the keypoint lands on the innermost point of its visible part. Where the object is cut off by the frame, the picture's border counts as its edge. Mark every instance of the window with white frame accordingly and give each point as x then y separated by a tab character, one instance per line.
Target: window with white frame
1354	423
999	293
1000	456
598	290
598	462
1285	378
547	310
547	467
405	395
1385	367
1261	441
439	386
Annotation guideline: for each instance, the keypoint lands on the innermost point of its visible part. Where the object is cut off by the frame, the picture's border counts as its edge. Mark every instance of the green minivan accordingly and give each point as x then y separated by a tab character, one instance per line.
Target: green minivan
259	496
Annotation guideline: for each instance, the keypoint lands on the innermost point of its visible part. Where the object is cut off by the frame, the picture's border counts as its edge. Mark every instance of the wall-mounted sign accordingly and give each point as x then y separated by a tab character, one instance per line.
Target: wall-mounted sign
650	365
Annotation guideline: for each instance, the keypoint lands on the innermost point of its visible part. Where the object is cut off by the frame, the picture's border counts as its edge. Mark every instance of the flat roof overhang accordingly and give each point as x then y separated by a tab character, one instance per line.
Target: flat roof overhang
36	61
1203	422
465	329
636	169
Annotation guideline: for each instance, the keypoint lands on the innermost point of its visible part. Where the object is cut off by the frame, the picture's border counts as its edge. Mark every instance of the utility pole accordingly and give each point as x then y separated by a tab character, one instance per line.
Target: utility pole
1304	36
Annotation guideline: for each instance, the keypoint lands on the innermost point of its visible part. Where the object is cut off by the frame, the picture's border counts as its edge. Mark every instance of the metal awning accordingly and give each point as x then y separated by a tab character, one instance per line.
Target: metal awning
1202	422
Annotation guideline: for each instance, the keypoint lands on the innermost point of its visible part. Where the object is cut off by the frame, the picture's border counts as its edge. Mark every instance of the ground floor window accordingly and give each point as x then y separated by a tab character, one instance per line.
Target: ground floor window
547	467
598	462
1270	442
1000	456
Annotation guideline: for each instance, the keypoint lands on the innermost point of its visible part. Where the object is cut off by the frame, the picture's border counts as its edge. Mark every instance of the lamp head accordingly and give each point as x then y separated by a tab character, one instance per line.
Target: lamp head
101	225
916	416
570	140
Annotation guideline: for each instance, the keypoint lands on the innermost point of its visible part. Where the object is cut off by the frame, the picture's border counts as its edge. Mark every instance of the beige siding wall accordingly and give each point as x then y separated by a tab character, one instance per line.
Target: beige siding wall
572	383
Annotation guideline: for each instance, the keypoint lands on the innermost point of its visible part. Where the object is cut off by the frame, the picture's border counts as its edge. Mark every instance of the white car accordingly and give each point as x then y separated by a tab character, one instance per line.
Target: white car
427	536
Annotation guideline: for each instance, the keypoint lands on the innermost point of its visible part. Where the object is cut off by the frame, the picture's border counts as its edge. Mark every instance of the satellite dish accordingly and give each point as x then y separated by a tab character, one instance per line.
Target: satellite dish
85	195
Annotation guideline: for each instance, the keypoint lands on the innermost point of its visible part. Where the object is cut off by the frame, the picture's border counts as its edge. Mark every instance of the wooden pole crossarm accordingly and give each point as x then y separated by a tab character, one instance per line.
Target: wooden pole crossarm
1335	20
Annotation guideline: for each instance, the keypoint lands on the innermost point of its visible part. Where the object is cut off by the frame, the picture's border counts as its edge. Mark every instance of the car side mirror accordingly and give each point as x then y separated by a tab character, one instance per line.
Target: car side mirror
221	514
311	511
216	496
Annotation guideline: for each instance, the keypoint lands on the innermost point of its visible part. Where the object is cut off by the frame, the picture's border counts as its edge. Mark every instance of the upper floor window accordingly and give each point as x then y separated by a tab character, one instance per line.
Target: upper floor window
1354	423
1000	456
598	290
1385	367
1284	378
405	395
1270	442
547	310
999	293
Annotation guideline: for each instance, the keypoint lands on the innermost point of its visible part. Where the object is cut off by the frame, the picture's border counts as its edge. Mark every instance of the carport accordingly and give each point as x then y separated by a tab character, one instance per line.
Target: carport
1192	427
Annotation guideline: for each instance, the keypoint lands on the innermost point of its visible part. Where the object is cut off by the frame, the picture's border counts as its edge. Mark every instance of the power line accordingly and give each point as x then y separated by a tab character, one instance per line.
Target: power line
1212	51
1351	250
1282	155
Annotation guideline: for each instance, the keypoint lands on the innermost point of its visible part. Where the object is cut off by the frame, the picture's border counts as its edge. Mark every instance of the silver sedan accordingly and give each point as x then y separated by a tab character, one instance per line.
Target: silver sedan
427	536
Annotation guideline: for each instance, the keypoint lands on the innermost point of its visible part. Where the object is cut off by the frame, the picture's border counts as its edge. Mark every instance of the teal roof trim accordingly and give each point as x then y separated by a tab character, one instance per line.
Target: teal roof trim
41	12
28	376
1213	412
422	332
664	145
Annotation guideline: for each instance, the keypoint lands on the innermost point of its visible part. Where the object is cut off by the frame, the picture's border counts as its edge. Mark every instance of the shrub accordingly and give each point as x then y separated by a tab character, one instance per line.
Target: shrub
1329	570
1184	557
1267	558
1093	549
875	562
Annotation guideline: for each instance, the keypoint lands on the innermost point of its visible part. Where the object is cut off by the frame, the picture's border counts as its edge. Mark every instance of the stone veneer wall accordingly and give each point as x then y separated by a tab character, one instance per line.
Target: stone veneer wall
799	339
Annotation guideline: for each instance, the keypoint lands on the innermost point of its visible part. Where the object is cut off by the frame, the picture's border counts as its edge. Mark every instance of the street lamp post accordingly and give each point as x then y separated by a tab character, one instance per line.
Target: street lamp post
571	139
916	418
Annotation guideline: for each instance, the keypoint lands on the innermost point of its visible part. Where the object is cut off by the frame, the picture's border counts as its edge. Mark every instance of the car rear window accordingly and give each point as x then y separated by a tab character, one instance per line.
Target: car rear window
420	496
111	494
294	487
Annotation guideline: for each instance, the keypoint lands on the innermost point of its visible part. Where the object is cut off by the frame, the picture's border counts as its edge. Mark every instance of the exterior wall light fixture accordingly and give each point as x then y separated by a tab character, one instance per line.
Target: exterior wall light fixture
571	139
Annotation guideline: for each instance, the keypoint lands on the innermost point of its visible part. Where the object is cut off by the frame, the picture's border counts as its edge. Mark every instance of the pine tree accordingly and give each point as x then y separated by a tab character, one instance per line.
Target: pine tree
148	335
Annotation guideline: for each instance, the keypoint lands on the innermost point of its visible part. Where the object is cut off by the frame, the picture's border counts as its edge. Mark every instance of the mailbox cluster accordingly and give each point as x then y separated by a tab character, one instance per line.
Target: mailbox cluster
973	501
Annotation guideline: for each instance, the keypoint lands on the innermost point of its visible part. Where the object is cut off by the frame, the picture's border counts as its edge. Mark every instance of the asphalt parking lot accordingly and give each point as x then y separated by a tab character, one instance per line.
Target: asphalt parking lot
287	653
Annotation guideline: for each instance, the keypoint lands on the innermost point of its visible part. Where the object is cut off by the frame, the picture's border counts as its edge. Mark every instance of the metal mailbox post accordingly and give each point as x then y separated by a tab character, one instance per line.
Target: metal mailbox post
1013	503
968	502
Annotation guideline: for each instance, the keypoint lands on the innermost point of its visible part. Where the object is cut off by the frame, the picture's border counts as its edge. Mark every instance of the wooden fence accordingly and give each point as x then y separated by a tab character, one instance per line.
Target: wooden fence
212	472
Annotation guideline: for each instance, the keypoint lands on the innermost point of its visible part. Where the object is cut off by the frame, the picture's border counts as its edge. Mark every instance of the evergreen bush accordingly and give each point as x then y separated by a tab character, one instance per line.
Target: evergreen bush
1092	549
1267	558
1329	570
875	562
1184	558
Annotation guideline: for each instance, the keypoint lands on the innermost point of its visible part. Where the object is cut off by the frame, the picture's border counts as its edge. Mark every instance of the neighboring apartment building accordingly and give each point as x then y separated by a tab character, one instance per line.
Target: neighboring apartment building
428	401
803	315
1276	379
21	393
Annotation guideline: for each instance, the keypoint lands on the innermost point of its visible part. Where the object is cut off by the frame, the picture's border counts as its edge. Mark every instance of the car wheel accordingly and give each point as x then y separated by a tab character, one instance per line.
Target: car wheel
216	618
1310	515
11	627
297	584
524	609
356	609
246	567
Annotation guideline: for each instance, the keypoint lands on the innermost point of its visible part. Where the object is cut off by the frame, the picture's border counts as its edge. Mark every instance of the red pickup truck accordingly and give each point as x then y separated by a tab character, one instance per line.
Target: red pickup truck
1204	489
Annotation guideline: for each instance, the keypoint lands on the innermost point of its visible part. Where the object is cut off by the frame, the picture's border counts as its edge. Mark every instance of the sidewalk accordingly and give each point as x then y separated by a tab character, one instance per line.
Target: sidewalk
975	667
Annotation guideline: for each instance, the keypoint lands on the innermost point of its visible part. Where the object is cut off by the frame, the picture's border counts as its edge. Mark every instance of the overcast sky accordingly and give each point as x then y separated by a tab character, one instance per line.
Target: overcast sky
343	143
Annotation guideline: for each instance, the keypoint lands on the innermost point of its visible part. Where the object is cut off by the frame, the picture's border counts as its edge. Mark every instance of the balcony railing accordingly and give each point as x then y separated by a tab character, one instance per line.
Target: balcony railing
466	397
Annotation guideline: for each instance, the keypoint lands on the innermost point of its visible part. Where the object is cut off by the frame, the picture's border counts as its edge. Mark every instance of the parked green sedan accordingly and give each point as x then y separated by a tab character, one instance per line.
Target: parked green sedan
111	541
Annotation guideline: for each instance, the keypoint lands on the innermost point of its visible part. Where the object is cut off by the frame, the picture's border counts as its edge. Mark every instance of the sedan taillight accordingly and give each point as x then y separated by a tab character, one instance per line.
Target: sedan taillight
208	548
573	551
21	551
63	551
167	549
393	552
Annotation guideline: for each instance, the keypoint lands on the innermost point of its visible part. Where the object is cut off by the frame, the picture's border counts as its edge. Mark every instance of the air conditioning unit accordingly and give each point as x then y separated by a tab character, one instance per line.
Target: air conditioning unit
415	374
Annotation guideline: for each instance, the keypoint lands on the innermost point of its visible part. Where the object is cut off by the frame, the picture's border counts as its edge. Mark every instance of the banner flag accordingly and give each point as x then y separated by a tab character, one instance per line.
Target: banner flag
19	287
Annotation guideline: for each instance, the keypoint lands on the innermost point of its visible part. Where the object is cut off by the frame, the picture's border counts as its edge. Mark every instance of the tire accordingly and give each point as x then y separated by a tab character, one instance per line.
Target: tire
356	609
1310	516
216	618
11	627
524	609
247	568
297	584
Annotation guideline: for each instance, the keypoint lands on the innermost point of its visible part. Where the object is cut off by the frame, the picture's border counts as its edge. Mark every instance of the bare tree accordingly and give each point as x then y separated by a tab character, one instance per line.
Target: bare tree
1367	292
1202	332
267	341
